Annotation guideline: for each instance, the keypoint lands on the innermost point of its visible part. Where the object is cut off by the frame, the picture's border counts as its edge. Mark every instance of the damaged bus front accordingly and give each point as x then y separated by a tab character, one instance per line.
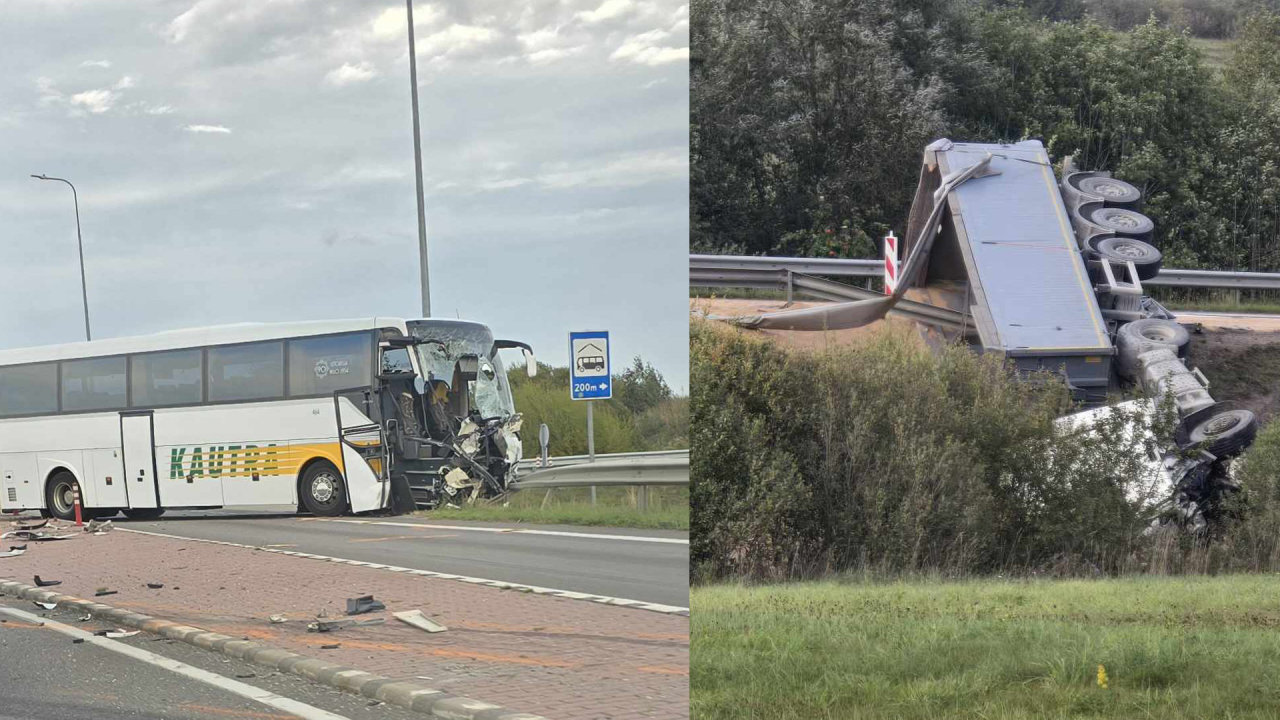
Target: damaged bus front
451	427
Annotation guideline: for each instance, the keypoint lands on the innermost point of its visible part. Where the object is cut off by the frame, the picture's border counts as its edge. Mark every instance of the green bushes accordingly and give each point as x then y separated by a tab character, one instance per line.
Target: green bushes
887	457
807	119
643	415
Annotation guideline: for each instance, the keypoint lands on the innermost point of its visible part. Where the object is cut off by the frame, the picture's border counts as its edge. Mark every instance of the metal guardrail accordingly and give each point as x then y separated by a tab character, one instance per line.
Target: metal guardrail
629	471
773	273
531	464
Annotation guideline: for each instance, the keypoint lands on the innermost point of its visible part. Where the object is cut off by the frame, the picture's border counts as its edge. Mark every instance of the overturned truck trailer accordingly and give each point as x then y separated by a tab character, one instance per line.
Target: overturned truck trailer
1047	270
1050	269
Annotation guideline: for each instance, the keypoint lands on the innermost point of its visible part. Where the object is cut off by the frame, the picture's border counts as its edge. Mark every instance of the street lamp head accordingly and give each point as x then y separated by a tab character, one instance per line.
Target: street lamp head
39	177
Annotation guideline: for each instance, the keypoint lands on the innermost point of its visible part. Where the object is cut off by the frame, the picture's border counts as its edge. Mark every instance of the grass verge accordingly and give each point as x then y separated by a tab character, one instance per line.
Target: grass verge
666	508
1187	647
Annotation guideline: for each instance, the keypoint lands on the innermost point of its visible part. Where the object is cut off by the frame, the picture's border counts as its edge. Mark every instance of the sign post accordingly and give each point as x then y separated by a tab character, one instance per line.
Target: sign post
589	379
890	264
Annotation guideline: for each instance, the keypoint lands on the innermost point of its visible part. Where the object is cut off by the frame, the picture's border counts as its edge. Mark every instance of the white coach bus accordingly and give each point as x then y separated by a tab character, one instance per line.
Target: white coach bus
333	416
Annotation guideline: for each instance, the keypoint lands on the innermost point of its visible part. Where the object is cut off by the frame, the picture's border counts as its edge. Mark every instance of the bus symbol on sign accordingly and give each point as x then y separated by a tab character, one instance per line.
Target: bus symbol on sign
589	371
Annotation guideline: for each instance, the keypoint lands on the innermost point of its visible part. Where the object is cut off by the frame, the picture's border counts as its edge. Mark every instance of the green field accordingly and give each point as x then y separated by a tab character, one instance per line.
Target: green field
666	508
1202	647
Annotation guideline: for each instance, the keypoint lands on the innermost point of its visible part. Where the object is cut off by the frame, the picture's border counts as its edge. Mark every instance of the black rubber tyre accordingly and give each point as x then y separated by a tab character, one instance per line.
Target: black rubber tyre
1116	193
1153	331
1123	222
1146	258
143	513
322	490
1224	432
58	494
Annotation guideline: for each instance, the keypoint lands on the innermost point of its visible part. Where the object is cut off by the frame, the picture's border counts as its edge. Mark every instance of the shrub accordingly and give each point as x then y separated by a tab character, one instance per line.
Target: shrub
888	457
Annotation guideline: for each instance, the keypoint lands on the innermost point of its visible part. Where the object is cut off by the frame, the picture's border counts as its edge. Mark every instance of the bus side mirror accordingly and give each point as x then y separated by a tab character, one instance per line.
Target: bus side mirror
530	364
419	384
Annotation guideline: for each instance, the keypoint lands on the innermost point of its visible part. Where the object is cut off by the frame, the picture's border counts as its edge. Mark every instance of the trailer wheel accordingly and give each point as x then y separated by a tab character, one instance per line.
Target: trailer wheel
1226	432
1138	336
1145	257
1123	222
1114	192
59	495
322	490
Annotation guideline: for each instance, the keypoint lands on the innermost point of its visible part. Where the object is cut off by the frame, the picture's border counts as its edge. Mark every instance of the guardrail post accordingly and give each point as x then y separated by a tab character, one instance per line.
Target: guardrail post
644	498
544	439
789	273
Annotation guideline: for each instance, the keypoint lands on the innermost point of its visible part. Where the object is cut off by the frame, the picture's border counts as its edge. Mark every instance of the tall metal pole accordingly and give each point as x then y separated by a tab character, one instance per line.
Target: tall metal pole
417	167
84	289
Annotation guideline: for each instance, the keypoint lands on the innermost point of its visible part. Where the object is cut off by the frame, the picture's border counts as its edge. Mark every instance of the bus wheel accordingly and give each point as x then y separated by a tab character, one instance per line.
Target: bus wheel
143	513
322	490
59	495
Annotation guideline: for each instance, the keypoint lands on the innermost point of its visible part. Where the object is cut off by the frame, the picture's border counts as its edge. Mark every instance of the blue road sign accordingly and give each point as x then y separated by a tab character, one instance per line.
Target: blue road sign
589	366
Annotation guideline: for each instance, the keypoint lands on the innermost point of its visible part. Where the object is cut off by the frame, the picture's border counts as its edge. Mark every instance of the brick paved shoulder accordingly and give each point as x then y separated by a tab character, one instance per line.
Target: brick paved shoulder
562	658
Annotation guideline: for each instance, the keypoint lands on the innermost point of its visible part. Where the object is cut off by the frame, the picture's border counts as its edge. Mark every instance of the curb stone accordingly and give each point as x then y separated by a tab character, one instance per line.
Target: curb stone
408	695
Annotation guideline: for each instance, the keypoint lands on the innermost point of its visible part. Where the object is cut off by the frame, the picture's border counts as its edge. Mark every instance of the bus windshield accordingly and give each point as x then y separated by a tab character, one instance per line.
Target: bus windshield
442	342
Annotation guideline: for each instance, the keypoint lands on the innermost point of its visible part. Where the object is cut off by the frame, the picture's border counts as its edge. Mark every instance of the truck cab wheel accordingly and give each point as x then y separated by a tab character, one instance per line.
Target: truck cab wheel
1224	432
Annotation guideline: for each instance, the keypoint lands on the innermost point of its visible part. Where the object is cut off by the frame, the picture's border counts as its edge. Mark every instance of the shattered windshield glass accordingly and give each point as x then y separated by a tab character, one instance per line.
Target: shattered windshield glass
444	341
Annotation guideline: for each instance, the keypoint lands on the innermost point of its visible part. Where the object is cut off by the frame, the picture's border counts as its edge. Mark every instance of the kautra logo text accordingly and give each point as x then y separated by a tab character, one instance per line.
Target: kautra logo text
218	460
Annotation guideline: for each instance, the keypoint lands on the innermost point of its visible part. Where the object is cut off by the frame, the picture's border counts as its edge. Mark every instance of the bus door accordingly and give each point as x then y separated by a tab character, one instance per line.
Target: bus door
137	438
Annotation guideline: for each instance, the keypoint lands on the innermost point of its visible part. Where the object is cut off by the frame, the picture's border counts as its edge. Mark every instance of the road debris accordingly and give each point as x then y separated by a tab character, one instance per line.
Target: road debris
417	619
45	605
277	619
363	604
331	625
103	591
334	646
13	552
155	586
86	617
246	675
46	583
77	641
98	527
121	633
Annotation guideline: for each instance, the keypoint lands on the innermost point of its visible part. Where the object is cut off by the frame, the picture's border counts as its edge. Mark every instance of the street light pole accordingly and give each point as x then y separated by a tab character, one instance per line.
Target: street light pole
84	290
417	167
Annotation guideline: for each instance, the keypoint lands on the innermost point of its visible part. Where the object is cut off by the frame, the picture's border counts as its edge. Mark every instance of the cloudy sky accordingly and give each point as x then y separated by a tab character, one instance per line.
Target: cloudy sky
243	160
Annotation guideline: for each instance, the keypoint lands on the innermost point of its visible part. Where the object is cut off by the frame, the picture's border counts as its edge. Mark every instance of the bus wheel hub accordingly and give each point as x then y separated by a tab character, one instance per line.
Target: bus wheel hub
322	488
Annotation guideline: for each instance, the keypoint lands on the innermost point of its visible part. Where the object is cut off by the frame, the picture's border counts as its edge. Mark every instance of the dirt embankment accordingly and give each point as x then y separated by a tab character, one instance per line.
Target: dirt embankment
1239	354
1241	359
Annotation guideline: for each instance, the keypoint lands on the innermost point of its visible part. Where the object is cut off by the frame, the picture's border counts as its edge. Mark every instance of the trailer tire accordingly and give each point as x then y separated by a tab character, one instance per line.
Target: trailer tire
1225	432
1145	257
1115	193
1135	338
1123	222
322	489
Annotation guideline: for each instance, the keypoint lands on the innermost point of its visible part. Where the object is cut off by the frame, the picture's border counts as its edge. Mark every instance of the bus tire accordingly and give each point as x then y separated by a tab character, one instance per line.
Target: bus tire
322	489
143	513
58	494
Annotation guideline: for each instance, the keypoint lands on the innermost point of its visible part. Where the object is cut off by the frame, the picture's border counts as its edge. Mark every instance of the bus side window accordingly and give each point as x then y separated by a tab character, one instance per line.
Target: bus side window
396	360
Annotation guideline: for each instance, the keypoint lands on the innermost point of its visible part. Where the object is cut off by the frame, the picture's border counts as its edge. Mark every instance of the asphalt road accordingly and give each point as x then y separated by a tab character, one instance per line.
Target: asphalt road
647	565
45	675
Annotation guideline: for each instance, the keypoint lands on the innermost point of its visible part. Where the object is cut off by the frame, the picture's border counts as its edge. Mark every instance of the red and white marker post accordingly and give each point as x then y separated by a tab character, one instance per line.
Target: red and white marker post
75	498
890	263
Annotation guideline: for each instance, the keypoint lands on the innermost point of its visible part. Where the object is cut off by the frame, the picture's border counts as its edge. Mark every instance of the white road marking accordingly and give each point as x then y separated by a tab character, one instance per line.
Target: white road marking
502	584
515	531
244	690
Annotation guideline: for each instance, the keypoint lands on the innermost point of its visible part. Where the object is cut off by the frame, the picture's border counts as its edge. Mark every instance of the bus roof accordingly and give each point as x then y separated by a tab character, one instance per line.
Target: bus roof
202	336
